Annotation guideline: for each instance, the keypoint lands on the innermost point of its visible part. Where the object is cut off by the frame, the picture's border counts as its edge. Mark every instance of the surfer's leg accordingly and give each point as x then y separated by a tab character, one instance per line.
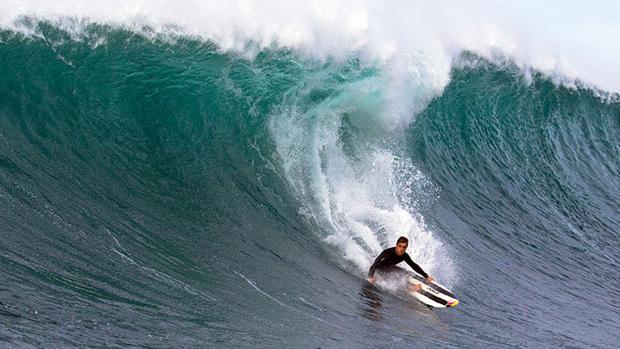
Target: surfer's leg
400	272
404	274
413	287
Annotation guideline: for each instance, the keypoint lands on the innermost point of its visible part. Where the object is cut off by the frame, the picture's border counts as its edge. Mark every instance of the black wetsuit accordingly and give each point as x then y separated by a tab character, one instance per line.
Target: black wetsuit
387	260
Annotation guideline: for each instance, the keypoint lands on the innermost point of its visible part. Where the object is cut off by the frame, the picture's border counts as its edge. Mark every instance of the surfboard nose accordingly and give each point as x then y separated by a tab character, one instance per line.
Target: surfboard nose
452	303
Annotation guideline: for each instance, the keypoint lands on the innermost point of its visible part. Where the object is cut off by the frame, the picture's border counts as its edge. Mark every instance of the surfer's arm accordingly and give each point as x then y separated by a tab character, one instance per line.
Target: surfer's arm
416	267
371	271
375	264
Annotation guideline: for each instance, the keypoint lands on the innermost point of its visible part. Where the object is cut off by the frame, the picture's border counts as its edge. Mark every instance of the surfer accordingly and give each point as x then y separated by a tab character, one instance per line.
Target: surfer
387	260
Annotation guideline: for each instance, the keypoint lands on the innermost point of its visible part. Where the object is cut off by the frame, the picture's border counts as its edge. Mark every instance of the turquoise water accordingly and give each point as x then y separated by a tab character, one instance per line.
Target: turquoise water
163	193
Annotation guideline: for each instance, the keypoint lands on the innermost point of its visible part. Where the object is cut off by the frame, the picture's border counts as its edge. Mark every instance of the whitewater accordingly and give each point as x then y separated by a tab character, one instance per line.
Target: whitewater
210	174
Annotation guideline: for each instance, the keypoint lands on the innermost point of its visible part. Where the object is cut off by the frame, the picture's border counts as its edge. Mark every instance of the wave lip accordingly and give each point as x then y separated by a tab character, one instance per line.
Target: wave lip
576	44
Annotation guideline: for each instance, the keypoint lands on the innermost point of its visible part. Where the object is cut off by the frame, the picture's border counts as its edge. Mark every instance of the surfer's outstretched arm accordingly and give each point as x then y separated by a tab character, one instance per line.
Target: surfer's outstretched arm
417	268
378	261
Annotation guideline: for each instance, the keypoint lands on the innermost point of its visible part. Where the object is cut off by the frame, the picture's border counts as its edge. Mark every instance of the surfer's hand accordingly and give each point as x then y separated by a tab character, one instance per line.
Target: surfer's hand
371	279
430	278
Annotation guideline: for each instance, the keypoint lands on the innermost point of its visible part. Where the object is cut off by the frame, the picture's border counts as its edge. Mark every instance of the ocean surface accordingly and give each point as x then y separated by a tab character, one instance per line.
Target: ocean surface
161	189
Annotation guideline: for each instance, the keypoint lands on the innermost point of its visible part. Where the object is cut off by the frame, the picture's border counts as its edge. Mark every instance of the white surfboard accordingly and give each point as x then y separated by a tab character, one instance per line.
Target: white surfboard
432	293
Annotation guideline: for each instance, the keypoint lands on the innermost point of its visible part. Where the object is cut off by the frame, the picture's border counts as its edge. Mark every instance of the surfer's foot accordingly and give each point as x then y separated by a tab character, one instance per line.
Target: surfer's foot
414	288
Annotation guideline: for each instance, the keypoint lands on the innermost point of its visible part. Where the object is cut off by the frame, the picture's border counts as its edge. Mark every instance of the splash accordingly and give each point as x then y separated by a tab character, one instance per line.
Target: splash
339	140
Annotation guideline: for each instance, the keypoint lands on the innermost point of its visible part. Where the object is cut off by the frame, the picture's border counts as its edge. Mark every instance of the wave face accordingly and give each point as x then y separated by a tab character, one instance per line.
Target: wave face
161	192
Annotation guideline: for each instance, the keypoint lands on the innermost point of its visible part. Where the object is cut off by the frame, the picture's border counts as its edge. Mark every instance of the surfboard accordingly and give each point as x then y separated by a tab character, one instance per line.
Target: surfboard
432	293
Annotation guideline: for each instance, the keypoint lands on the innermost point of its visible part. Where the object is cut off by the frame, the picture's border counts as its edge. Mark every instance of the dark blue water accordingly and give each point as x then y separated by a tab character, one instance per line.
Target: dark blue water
164	194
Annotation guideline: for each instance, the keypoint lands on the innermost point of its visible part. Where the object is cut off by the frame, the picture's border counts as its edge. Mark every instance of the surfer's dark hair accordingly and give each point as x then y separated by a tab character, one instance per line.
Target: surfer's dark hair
402	239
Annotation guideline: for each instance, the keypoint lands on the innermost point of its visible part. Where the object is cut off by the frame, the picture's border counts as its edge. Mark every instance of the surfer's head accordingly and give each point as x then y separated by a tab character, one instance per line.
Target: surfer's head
401	245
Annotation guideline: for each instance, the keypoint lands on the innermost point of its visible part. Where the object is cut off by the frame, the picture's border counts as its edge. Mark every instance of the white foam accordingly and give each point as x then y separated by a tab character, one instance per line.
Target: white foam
572	40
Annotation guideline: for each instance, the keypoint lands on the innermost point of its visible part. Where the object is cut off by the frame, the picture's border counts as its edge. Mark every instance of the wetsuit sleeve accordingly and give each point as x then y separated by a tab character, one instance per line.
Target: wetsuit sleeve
414	266
377	262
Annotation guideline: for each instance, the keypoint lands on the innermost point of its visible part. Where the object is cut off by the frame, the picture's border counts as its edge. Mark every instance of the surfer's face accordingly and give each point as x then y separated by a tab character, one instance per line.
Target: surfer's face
401	248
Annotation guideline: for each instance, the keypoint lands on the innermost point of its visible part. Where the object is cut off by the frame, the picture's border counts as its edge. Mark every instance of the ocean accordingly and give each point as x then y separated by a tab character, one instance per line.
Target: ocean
172	183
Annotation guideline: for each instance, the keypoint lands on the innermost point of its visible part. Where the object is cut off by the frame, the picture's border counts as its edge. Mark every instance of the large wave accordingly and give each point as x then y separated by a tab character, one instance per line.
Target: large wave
175	177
